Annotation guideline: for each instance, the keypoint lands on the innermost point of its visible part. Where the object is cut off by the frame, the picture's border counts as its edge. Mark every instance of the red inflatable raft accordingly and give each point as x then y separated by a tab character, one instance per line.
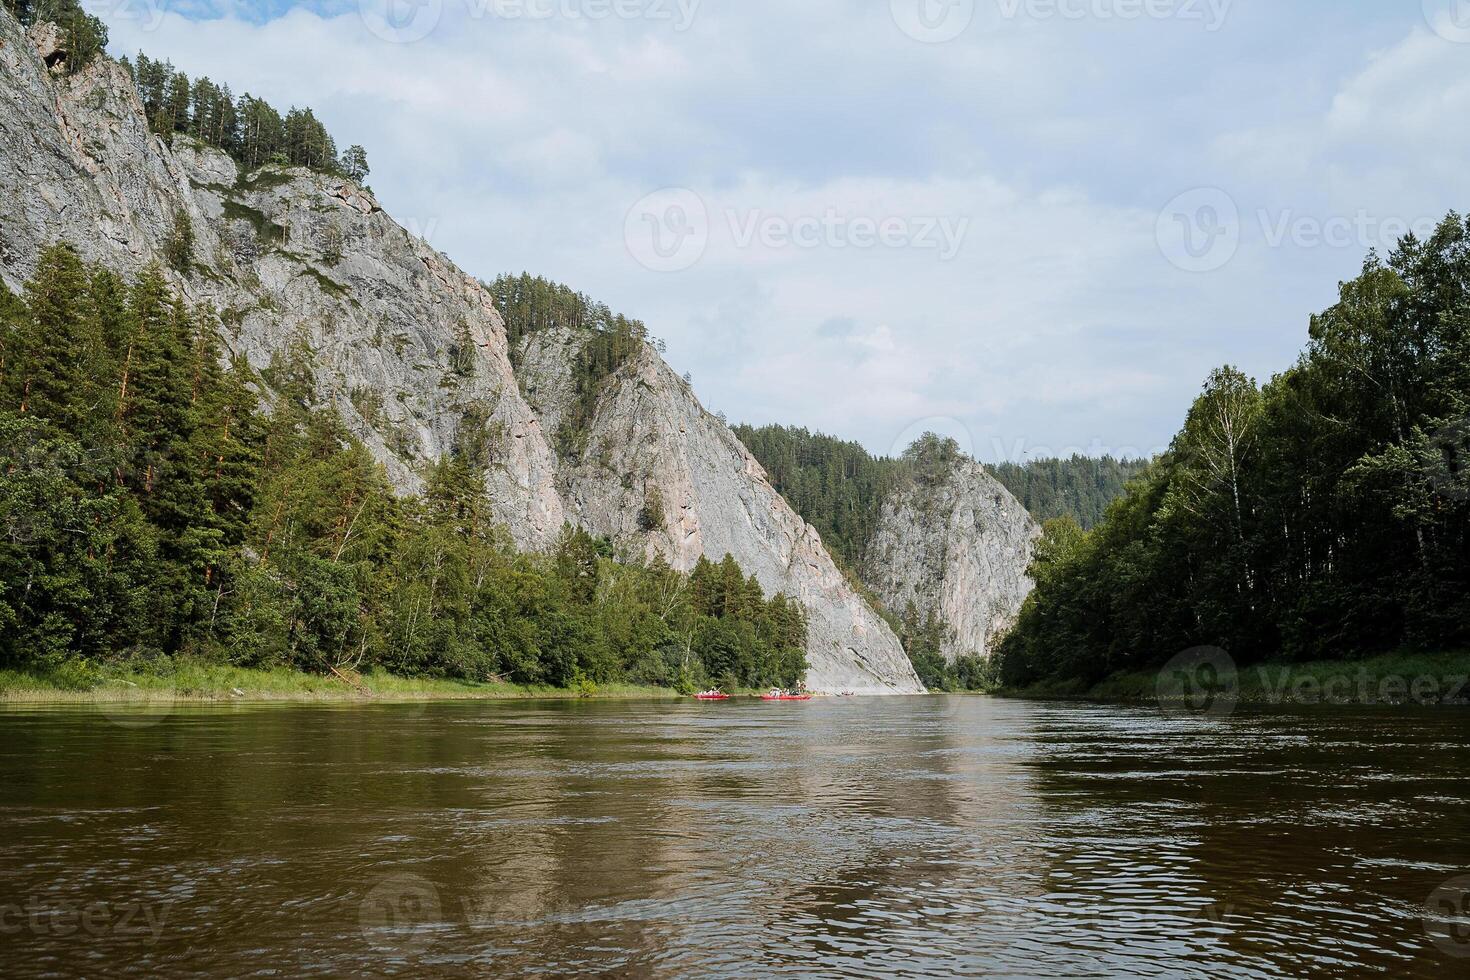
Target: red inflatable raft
786	697
711	697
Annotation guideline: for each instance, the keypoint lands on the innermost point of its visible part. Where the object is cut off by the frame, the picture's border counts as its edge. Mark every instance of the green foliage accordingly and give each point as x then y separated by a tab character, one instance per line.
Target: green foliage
84	35
930	459
1081	487
839	488
249	129
178	250
1322	513
149	509
531	304
836	486
354	164
651	514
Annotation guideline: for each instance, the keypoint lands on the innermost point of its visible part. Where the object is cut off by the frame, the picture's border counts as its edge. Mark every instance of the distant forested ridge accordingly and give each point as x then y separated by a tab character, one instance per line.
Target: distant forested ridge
250	130
1325	514
150	509
838	487
835	485
1081	487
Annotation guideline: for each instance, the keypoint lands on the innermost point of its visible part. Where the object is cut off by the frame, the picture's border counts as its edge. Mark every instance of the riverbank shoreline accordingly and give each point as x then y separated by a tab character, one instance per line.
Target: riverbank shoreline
1387	679
213	684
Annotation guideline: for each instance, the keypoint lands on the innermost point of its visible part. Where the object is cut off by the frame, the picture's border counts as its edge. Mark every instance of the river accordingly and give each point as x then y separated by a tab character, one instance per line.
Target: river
901	837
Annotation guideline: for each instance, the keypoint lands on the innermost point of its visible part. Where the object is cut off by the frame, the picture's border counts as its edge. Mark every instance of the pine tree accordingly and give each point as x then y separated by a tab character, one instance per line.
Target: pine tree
354	164
57	345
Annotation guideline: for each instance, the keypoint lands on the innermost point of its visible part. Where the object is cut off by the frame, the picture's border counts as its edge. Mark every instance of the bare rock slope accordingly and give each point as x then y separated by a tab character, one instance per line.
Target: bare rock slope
660	471
313	280
956	549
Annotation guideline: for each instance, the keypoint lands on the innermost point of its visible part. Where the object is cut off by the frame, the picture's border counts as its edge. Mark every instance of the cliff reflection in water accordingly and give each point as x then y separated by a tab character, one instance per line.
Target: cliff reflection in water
891	837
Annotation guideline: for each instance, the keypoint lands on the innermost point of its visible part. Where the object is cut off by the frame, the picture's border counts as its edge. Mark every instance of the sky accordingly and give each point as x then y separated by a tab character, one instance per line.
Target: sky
1033	225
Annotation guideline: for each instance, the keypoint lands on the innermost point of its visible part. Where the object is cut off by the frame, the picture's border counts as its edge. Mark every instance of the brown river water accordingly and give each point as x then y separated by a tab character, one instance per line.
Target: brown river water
906	837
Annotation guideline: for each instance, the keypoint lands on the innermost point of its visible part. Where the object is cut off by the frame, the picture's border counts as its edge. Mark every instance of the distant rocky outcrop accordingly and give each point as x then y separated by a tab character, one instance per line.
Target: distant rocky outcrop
954	545
330	299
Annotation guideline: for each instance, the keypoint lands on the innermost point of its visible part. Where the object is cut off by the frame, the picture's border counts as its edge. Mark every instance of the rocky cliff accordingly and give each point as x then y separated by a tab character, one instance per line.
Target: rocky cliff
661	472
955	547
321	289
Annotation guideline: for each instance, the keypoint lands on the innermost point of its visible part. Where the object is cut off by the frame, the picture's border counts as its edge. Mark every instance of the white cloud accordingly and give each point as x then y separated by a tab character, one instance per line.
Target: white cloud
1057	322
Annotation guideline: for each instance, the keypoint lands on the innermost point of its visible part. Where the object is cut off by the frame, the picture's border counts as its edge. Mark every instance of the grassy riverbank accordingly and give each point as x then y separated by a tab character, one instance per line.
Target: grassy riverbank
202	682
1396	678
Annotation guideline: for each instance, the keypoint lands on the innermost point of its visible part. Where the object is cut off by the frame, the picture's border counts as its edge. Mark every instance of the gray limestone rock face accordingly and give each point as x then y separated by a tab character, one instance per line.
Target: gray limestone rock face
312	279
958	550
649	434
298	265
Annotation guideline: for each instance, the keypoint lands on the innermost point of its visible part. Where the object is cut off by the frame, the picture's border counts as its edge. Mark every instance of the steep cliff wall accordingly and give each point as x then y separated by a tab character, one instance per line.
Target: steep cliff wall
650	439
956	548
299	265
316	285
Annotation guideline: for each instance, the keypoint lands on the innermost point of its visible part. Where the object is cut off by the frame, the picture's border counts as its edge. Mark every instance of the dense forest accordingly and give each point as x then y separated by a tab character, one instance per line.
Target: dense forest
1325	514
1081	487
150	509
838	487
250	130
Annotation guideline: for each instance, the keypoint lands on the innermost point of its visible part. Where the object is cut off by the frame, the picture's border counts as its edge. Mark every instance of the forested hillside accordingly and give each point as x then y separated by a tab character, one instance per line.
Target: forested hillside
835	485
1325	514
150	510
1080	487
839	487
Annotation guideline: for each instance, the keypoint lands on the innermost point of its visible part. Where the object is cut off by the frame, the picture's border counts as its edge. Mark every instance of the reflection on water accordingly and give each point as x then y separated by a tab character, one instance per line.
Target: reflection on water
905	837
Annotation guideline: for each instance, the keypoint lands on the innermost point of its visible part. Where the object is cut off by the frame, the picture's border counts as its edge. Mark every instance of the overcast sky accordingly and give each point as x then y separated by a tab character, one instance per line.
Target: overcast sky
1033	224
